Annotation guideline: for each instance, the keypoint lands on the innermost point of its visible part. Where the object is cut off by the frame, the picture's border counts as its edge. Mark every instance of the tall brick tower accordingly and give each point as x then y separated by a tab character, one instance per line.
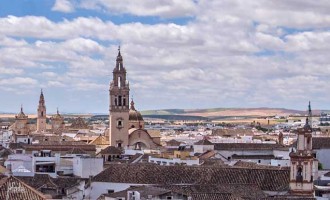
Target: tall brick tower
119	105
41	119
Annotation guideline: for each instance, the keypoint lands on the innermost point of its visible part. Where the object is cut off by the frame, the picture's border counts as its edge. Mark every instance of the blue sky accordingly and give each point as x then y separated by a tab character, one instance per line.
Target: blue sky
178	53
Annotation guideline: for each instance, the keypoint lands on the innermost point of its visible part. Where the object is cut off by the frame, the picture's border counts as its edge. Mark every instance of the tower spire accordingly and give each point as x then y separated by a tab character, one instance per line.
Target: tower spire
119	57
42	98
41	119
132	104
309	115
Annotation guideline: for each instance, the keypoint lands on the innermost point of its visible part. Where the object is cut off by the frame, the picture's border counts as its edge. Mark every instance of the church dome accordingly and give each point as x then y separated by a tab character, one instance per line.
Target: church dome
57	116
134	115
21	115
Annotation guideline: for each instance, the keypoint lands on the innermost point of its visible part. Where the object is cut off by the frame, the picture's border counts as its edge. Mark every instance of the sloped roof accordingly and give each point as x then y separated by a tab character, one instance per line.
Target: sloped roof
52	138
232	132
154	133
111	150
214	196
41	180
19	190
173	143
100	140
207	154
252	165
79	123
246	146
228	191
203	142
266	179
143	190
60	147
15	146
76	150
321	142
235	156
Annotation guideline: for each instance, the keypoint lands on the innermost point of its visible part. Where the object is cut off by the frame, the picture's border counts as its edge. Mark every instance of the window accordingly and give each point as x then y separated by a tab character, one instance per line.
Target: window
119	101
119	82
299	176
120	123
19	151
111	191
169	197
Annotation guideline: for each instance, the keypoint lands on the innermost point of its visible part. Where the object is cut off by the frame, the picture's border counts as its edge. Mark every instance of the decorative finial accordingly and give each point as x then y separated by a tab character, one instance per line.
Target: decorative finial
119	51
21	108
57	111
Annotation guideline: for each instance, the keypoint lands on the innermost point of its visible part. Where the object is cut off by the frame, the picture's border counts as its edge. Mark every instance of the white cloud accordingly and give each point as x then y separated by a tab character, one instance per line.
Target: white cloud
231	53
63	6
19	81
162	8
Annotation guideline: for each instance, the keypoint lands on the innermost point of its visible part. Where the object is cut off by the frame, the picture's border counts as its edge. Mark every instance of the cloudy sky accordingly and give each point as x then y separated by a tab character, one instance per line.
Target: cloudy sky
178	53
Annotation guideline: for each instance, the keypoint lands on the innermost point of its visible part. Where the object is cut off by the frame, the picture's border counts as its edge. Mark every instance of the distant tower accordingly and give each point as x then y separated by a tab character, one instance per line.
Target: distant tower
41	120
280	138
21	123
119	105
57	122
303	164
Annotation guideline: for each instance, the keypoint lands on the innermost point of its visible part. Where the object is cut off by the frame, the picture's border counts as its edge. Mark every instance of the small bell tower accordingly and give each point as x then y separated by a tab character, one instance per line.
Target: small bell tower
119	105
303	163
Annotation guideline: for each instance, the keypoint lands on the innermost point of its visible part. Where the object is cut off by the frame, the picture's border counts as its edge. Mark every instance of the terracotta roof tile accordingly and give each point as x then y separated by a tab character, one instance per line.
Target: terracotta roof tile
235	156
19	190
173	143
203	142
266	179
111	150
321	142
246	146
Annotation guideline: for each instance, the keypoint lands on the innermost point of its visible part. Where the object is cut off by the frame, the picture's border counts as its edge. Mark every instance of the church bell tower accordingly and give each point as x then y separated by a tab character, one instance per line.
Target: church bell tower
41	119
119	106
303	164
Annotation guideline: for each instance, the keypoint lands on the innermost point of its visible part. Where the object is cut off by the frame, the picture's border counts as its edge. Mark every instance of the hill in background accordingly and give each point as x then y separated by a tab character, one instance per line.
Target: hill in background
223	113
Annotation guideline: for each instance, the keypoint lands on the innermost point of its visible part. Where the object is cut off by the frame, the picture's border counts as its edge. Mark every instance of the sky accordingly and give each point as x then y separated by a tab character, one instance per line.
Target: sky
178	53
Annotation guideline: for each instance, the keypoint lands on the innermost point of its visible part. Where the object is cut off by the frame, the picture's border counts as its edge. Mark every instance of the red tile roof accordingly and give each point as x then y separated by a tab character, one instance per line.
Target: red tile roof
266	179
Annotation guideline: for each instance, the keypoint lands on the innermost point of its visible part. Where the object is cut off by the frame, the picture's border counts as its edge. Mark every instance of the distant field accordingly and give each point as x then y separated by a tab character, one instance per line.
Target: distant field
227	112
245	115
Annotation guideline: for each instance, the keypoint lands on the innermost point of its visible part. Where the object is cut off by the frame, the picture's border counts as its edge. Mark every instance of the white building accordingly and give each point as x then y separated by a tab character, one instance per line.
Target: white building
85	167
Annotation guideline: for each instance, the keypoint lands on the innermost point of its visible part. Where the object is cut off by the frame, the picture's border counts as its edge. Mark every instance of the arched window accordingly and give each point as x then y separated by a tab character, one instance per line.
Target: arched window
299	176
42	113
119	101
119	81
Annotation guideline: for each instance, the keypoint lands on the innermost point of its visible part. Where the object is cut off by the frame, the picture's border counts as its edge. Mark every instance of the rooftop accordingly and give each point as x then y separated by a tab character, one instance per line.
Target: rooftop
143	173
